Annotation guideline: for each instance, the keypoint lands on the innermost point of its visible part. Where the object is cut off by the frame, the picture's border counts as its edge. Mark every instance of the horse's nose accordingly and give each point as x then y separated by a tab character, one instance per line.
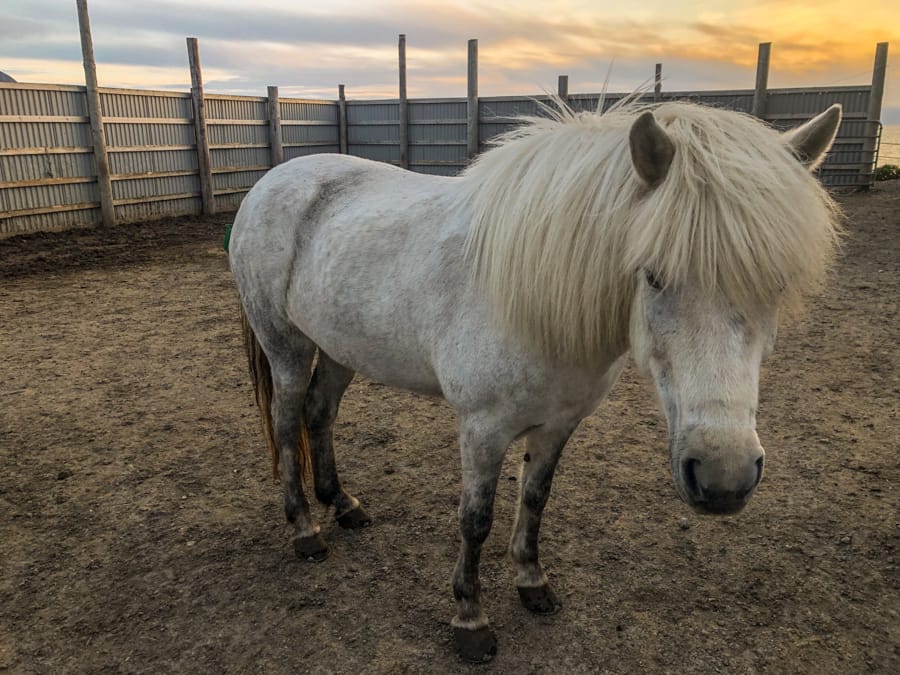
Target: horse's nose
712	490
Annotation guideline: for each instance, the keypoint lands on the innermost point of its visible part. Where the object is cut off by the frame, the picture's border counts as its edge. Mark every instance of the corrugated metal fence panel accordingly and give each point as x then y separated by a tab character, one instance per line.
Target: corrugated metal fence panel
152	157
239	142
373	130
34	167
153	160
53	221
150	210
139	103
740	100
42	99
309	127
437	136
848	163
235	107
50	155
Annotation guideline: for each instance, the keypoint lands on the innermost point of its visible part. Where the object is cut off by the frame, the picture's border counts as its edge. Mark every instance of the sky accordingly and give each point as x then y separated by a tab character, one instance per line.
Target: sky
307	48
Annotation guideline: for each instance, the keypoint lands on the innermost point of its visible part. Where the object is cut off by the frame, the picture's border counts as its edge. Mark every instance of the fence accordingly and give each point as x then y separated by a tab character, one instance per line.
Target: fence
49	176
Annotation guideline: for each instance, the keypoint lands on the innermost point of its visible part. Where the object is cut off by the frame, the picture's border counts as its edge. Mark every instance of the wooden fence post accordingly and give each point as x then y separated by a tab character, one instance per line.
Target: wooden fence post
873	118
342	119
203	160
472	103
762	80
276	140
404	105
657	84
562	88
101	159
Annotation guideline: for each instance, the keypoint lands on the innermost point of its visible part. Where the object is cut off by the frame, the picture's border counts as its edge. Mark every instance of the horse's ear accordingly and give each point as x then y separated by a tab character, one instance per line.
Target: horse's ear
651	149
810	141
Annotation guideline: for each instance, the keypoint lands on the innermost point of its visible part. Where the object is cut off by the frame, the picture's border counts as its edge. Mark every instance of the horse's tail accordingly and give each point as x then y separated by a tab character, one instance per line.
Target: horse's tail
261	375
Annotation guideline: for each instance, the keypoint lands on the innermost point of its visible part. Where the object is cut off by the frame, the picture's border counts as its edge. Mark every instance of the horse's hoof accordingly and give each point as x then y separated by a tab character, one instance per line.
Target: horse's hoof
354	519
475	646
311	549
539	599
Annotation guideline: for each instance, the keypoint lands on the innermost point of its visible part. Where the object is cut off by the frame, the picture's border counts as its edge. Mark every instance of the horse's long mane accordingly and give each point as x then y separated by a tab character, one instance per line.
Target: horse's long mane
562	225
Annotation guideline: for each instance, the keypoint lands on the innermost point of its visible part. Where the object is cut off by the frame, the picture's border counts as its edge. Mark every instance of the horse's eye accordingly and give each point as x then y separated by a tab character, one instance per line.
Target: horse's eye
652	281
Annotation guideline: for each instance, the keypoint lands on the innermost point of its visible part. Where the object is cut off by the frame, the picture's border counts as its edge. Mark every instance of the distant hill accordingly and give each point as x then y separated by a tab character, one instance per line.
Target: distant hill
6	78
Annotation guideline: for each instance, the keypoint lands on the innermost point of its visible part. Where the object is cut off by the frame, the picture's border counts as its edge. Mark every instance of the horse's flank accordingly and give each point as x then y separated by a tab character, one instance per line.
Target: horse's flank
561	223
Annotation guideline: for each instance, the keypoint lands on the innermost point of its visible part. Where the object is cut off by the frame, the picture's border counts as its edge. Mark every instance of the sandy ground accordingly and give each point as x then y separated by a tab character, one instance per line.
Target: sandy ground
142	531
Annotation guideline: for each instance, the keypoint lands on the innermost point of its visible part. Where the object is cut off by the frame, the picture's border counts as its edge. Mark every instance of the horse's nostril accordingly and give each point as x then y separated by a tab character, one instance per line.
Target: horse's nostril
690	477
759	471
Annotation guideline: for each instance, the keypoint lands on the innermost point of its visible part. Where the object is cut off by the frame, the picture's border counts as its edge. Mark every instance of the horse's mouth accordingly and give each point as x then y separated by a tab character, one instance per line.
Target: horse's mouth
725	507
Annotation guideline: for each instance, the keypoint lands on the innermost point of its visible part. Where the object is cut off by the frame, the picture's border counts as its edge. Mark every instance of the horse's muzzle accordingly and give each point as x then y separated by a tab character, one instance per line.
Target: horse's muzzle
710	490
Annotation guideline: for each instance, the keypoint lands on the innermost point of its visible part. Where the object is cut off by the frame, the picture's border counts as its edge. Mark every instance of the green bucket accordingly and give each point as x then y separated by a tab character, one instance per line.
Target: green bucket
227	236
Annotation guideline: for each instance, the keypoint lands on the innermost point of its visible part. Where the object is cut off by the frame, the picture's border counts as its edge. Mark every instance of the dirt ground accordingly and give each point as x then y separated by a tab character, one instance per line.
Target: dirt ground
141	530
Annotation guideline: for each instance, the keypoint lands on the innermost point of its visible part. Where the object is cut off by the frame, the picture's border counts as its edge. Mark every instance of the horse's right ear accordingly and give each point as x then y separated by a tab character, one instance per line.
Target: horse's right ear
810	141
651	149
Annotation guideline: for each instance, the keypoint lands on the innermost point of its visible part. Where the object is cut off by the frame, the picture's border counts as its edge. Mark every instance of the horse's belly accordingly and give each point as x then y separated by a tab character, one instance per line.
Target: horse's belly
380	358
369	337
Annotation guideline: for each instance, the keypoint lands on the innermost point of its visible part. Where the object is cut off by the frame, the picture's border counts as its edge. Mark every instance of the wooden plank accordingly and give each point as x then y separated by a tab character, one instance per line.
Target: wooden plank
43	210
155	93
37	182
199	106
101	161
377	123
316	144
472	101
150	148
308	123
231	191
238	123
449	120
275	136
404	104
184	121
239	146
157	198
315	101
31	86
239	169
235	97
73	150
38	119
562	88
154	174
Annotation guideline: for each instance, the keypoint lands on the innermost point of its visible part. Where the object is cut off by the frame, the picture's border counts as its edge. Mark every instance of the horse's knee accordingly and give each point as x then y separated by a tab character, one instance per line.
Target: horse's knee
475	520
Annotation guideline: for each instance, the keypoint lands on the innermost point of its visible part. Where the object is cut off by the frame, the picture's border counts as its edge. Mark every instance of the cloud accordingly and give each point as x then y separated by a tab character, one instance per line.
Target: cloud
310	47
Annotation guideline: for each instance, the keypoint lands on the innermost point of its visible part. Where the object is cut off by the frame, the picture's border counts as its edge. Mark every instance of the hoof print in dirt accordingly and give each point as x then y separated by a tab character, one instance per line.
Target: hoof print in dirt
311	549
475	646
354	519
539	599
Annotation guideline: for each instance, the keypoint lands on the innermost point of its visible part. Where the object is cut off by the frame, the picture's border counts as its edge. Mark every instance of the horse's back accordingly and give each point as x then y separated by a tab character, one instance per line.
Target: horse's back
360	256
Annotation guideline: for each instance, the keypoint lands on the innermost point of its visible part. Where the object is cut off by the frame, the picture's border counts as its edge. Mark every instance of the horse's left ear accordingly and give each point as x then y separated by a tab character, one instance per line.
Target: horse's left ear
651	149
810	141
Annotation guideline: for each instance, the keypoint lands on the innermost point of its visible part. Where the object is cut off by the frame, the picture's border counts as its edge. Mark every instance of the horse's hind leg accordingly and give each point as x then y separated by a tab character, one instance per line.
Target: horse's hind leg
290	378
542	450
329	381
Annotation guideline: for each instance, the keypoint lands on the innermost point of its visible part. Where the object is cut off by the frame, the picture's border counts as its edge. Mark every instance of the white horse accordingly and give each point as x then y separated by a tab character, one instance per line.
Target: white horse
676	232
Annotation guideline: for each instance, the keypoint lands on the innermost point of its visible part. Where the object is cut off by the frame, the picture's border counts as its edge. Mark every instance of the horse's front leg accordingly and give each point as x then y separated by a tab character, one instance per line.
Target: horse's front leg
482	452
542	450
